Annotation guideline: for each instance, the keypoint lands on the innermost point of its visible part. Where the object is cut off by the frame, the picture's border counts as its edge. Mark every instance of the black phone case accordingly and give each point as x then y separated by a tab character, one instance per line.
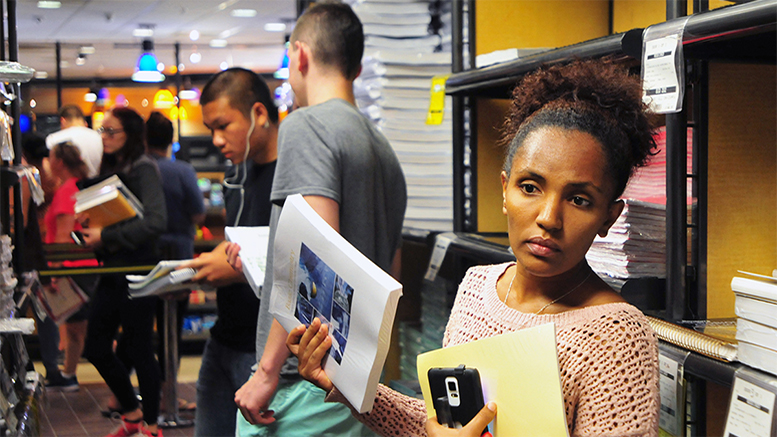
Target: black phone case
470	394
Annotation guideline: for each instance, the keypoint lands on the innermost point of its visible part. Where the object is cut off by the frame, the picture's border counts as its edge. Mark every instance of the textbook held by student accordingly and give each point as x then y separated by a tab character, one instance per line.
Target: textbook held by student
108	202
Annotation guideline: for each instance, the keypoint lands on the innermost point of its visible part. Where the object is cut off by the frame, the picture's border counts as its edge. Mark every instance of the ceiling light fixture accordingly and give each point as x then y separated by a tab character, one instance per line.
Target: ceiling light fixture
224	65
229	32
146	69
87	50
47	4
81	60
143	31
218	43
194	35
90	97
275	27
192	94
243	13
195	57
40	74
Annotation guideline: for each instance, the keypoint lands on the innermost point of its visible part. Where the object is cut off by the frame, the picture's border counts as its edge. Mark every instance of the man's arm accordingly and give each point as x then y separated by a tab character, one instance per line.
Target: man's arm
254	396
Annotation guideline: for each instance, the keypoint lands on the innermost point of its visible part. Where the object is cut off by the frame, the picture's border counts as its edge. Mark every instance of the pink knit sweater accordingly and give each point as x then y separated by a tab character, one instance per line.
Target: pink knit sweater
608	357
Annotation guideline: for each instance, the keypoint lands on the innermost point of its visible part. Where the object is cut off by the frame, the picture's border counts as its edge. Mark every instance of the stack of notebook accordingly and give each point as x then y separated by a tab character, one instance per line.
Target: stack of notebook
402	54
756	309
635	246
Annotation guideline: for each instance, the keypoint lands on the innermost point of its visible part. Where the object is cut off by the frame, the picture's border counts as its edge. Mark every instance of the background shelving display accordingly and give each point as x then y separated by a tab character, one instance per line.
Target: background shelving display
728	117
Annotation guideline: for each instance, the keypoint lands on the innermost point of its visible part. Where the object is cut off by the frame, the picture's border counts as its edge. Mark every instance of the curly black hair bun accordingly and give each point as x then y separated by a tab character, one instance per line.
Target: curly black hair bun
597	97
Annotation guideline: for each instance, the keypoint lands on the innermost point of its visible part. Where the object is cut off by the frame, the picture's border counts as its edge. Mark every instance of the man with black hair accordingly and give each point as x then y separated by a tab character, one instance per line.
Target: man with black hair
346	170
238	109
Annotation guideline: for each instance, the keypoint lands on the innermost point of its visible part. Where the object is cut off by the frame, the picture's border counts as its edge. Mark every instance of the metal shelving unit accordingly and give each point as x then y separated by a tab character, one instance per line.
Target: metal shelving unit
745	32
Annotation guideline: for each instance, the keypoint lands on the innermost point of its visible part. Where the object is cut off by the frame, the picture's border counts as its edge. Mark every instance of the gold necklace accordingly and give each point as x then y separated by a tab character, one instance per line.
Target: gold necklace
510	288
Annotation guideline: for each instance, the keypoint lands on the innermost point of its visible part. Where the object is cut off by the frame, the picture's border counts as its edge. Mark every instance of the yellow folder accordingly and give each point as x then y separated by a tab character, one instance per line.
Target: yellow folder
519	371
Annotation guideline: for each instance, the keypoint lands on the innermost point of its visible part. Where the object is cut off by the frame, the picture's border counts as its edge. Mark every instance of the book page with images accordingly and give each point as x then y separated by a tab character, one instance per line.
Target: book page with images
317	273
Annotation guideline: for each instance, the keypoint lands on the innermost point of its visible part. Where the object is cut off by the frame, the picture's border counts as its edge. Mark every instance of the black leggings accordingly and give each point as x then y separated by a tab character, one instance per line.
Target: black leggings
111	308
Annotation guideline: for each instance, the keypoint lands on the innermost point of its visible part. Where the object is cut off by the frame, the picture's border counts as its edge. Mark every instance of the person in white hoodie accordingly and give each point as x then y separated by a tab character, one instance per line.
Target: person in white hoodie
76	131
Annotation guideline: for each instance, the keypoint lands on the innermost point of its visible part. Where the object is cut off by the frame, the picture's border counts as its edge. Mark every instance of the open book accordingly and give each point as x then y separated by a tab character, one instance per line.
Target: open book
317	273
162	279
253	241
108	202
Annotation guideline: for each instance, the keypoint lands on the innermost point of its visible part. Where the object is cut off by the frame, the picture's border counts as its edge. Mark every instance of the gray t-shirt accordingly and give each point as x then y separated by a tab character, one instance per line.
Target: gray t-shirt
332	150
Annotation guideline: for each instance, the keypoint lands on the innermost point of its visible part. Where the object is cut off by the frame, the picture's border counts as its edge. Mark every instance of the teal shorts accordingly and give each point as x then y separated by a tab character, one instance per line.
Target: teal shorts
300	411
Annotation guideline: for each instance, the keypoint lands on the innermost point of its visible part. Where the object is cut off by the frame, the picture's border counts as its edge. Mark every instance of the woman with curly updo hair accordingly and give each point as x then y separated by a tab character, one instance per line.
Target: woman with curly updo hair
574	136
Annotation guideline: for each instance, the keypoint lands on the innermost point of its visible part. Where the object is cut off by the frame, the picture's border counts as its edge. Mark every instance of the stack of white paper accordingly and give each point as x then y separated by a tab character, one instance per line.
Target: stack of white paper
394	91
756	310
635	246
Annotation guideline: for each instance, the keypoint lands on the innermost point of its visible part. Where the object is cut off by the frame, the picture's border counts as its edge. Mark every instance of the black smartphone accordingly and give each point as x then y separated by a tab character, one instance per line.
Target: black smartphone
78	238
457	394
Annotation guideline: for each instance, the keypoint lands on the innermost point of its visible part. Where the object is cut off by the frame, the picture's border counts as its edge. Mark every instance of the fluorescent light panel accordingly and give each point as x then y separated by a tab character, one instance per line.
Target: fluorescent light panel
48	4
243	13
143	32
275	27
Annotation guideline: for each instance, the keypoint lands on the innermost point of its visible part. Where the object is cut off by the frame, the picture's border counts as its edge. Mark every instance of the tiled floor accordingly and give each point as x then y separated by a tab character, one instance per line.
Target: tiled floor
78	414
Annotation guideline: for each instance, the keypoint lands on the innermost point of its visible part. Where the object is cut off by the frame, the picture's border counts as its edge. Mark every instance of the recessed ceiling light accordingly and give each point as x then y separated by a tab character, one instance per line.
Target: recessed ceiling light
142	32
218	43
41	74
243	13
275	27
224	65
195	57
194	35
229	32
48	4
87	50
80	60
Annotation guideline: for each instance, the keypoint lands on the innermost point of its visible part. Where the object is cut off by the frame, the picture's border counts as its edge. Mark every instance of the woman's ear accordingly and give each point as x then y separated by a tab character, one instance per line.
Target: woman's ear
612	215
505	180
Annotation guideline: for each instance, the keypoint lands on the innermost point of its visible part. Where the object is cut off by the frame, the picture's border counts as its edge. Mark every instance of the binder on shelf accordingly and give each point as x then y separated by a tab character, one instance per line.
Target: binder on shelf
108	202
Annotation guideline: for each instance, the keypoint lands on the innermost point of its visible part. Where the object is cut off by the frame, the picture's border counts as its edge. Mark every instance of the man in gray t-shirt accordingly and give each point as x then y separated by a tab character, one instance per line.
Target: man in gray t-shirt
348	173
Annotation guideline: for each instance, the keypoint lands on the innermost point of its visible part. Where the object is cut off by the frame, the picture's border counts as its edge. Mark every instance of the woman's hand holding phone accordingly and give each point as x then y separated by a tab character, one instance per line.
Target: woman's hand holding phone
473	429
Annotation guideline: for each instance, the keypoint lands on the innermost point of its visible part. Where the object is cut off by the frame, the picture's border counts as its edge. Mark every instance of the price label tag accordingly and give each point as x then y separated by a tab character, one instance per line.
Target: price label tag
671	388
437	100
751	409
663	67
441	244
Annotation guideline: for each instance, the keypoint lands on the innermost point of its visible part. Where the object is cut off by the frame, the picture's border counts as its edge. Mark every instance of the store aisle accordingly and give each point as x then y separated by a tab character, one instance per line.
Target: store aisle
77	414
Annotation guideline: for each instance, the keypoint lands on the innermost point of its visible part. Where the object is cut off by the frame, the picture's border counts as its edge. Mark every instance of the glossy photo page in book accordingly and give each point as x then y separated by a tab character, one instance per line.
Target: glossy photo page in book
317	273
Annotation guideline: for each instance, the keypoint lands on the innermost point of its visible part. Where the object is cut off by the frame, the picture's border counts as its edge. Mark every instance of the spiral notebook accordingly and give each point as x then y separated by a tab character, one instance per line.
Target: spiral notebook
693	340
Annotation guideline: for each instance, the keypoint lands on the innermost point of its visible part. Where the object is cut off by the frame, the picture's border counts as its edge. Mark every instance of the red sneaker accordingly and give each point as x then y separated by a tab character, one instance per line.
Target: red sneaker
144	432
127	429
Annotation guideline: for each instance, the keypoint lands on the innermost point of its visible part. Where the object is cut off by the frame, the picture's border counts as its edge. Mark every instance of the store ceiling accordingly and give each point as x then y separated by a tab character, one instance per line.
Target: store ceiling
108	25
